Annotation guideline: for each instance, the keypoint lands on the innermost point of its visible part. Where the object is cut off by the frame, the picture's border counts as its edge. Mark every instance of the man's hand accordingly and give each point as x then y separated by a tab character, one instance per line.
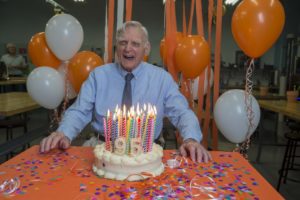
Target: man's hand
195	150
54	140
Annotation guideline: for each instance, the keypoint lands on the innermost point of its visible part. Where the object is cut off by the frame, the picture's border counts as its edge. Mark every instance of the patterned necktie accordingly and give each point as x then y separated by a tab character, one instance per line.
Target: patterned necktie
127	98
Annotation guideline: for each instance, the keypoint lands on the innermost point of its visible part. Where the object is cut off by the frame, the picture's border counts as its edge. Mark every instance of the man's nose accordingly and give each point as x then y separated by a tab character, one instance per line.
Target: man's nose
128	46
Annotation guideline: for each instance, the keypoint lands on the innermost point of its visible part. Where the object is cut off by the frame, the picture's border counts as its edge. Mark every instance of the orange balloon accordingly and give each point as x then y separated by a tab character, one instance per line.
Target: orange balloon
163	50
146	58
256	25
39	52
80	67
192	56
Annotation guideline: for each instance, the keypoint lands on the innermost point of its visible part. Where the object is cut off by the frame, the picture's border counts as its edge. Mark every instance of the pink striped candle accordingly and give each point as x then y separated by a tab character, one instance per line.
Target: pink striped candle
109	127
148	139
105	134
151	133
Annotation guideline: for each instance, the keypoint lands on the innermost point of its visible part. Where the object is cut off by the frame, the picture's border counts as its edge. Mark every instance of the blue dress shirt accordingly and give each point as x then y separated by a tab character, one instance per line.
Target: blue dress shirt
103	90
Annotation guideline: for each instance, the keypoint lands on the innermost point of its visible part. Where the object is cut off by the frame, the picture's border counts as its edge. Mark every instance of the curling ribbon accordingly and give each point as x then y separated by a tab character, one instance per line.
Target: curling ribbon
176	162
243	148
206	186
9	186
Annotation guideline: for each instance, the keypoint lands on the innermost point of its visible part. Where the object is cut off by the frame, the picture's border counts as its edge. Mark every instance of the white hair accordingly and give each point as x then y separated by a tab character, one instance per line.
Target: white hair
134	24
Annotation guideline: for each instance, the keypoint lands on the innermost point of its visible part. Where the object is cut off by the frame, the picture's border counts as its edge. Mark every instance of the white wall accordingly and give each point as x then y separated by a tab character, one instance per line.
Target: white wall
21	19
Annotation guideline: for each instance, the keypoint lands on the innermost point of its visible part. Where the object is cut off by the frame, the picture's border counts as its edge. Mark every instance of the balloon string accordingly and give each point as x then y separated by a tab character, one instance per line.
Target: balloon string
67	91
59	112
248	99
243	148
54	120
142	175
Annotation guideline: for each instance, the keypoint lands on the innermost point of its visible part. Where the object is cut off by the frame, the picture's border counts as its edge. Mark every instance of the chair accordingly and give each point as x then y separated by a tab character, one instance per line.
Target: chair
7	148
14	122
288	163
168	133
10	123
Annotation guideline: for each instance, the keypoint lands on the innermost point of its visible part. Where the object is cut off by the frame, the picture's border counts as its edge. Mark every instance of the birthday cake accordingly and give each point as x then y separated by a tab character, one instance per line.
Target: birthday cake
129	152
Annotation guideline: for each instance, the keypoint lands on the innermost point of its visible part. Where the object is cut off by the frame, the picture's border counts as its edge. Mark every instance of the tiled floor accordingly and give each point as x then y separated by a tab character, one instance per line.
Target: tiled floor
269	165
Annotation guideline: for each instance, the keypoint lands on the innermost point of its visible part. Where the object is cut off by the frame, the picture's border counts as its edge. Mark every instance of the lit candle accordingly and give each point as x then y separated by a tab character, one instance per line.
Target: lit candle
128	133
105	134
114	130
138	124
124	121
109	127
119	123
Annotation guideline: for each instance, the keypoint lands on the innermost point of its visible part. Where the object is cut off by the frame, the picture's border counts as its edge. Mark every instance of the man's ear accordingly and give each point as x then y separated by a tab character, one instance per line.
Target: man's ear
147	48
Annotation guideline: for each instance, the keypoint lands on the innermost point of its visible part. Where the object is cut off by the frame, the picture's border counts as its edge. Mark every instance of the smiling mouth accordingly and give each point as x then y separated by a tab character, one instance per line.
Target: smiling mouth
128	57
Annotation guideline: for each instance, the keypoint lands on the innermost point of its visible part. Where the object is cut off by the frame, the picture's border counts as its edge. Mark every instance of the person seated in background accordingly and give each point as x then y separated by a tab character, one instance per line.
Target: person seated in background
15	63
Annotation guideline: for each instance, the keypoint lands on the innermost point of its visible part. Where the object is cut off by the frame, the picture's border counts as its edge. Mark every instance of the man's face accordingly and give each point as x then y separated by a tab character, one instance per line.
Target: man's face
11	49
131	48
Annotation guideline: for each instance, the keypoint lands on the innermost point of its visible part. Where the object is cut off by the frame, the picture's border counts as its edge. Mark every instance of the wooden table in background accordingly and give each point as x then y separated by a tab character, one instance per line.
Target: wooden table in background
268	96
289	109
13	103
12	81
68	175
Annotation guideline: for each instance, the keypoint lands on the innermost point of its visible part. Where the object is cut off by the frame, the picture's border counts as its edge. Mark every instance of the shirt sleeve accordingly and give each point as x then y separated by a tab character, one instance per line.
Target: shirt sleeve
80	113
179	113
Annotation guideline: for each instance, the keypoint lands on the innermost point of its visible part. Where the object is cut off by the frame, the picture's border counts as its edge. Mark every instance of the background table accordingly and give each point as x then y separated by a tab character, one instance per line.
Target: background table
13	103
289	109
12	81
68	175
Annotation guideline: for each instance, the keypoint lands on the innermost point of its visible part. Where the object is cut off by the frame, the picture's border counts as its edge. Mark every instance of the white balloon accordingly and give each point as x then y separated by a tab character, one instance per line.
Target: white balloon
195	83
69	90
64	36
230	115
46	86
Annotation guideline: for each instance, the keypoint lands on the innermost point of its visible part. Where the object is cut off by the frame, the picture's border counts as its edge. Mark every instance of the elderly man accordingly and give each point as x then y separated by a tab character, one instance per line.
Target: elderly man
103	90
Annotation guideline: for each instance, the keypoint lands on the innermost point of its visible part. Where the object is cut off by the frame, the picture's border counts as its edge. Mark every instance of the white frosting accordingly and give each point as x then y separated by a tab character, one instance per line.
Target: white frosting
113	166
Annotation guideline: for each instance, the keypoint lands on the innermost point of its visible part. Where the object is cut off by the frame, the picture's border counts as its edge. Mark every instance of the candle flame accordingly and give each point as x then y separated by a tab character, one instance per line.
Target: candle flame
124	110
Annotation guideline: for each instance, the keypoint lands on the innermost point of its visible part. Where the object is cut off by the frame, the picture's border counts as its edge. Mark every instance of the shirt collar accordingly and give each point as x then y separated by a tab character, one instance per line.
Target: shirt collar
136	72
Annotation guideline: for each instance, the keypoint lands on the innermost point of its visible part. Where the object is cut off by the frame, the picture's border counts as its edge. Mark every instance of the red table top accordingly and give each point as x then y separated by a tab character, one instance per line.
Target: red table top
68	175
